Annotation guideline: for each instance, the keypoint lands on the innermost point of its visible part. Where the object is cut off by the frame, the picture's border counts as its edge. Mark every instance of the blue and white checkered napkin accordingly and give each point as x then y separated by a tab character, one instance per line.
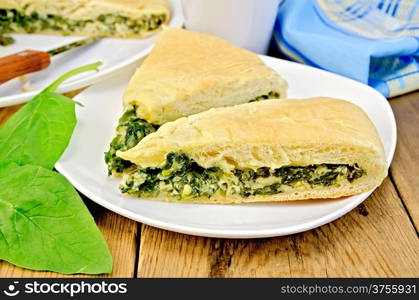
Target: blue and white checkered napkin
372	41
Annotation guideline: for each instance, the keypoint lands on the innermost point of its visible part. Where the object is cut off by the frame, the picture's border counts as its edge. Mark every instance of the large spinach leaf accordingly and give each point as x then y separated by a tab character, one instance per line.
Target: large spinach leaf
40	131
44	224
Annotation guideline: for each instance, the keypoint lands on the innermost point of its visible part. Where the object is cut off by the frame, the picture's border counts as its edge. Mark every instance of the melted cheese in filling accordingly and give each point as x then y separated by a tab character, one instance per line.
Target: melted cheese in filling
131	129
183	178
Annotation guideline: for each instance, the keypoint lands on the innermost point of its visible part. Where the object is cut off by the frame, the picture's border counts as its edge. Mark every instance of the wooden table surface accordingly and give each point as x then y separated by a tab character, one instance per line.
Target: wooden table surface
379	238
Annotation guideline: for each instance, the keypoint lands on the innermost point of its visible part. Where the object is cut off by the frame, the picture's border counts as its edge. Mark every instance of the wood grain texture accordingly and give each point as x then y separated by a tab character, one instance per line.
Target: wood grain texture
375	239
404	170
7	112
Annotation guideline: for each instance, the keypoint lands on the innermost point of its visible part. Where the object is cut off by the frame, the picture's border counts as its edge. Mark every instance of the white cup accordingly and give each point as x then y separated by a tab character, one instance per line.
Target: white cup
245	23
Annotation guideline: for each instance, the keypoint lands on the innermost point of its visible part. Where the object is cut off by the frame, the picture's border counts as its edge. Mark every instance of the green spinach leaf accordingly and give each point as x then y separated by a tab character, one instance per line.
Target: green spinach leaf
44	224
40	131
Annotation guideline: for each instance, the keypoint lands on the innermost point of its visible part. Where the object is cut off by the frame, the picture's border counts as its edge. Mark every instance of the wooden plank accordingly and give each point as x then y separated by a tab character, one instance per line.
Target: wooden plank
406	159
120	234
7	112
375	239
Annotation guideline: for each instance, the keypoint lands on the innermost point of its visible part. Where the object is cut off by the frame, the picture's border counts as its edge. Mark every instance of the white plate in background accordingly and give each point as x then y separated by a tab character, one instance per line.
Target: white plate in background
83	163
113	53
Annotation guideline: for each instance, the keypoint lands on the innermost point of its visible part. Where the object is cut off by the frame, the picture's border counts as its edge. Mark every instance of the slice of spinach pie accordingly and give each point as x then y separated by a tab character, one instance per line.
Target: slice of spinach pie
274	150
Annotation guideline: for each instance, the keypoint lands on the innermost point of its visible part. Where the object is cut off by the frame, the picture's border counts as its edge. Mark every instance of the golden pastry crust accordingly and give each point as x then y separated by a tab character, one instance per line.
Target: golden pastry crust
189	72
80	10
272	133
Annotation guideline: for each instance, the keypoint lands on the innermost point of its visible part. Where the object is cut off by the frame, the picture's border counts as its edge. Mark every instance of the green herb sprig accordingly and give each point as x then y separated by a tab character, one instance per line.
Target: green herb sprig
44	224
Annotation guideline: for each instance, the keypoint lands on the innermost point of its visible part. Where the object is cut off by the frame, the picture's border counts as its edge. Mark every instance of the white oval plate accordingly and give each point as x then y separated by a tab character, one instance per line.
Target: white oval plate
113	53
83	163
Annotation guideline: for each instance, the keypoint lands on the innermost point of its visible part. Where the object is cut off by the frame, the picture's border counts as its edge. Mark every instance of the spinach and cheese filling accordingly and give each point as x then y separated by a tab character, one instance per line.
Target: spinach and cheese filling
131	129
181	178
12	20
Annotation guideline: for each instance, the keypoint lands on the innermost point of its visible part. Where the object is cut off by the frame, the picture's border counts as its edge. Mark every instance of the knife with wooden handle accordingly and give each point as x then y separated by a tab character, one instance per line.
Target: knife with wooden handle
29	61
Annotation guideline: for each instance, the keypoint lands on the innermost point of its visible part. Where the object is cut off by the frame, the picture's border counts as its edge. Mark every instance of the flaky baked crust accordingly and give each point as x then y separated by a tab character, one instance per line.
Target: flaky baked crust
189	72
273	133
